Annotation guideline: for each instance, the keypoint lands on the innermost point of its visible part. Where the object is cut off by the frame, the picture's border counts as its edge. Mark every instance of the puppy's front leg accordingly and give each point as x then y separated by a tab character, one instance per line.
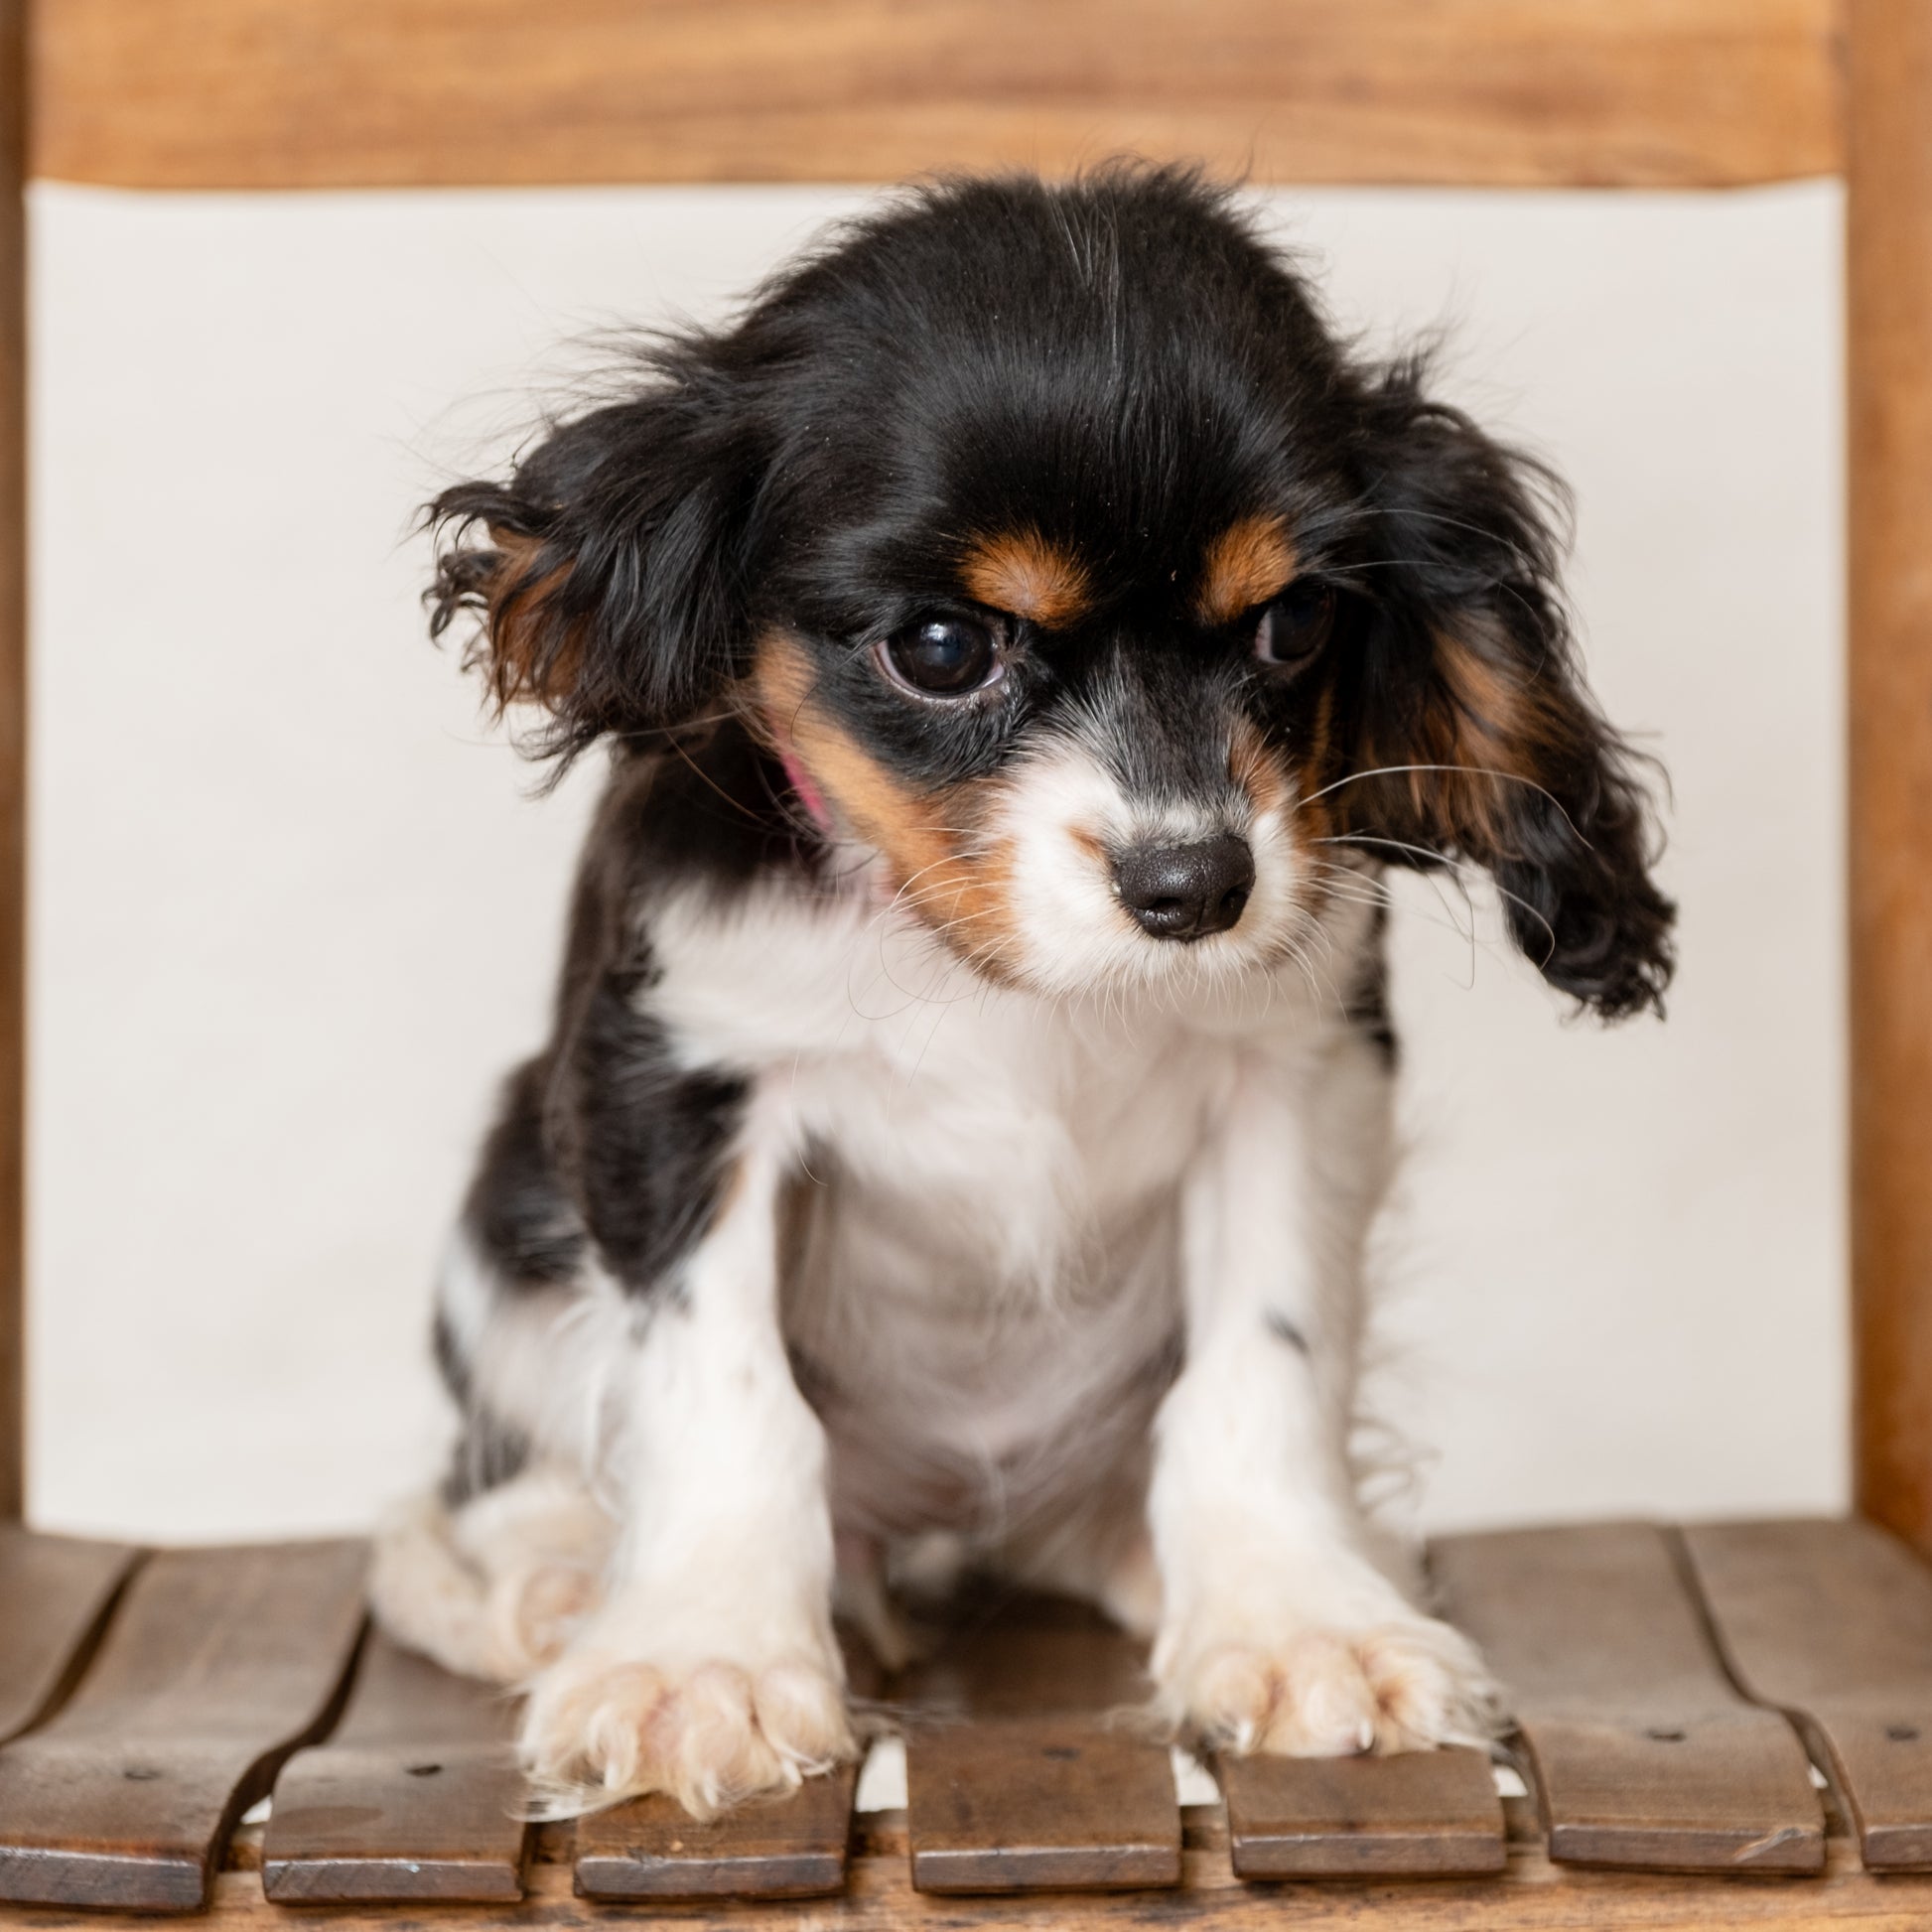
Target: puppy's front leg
1283	1626
710	1672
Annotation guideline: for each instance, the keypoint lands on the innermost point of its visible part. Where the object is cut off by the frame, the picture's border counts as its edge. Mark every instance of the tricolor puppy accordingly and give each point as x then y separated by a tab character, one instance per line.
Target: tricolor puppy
1021	640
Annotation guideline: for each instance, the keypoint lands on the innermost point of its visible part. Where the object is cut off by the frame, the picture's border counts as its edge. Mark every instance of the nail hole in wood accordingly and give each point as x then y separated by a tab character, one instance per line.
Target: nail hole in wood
424	1770
1902	1733
1661	1736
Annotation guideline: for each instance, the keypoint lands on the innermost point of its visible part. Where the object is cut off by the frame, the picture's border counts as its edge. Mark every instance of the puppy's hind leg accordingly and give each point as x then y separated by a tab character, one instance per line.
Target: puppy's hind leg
493	1586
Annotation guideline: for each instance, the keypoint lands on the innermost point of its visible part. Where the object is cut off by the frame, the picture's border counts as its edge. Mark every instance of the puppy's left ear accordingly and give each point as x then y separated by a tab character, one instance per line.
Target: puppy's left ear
1468	678
607	569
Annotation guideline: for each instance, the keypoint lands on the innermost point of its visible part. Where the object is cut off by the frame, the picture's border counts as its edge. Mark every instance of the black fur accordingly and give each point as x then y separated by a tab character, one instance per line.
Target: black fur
605	1136
1122	367
516	1215
1286	1333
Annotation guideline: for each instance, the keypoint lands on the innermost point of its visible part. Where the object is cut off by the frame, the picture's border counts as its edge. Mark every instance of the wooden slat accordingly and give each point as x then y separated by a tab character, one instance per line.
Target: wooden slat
257	93
1888	234
1644	1753
1020	1776
416	1795
217	1662
791	1848
1831	1621
1039	1804
794	1847
1423	1814
54	1592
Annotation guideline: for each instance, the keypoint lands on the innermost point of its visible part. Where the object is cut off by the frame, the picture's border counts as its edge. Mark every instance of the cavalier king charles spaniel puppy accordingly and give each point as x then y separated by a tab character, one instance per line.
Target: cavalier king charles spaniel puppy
1022	641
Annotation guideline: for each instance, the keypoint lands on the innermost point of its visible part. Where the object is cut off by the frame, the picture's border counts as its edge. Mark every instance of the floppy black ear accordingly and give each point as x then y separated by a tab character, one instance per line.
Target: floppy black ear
1470	679
606	569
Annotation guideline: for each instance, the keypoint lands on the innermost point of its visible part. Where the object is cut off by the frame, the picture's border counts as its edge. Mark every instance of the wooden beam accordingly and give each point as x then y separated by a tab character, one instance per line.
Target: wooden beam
13	755
317	93
1889	292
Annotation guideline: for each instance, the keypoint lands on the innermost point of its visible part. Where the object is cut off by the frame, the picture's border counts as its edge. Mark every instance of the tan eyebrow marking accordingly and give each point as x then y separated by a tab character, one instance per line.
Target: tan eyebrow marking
1020	572
1247	564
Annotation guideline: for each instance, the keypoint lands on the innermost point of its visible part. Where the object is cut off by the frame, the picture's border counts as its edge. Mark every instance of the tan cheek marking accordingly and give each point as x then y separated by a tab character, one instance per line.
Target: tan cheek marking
1247	564
1265	774
1020	572
1254	769
924	837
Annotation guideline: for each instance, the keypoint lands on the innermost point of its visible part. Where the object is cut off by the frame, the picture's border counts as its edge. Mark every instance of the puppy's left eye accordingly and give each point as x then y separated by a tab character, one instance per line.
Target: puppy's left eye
1294	628
943	656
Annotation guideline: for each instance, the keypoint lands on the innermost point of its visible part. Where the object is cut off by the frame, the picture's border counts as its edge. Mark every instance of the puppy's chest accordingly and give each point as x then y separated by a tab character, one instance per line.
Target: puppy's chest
1010	1134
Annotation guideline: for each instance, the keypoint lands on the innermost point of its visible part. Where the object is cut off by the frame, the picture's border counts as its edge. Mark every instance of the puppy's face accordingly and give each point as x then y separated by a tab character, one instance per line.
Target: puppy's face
1078	786
1063	561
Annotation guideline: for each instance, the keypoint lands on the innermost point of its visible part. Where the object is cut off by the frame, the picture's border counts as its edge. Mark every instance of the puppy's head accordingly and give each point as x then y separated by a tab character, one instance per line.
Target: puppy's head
1063	561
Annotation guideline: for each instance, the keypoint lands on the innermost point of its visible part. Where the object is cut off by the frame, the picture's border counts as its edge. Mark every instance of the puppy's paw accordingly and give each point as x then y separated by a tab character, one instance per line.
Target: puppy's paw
1408	1684
599	1727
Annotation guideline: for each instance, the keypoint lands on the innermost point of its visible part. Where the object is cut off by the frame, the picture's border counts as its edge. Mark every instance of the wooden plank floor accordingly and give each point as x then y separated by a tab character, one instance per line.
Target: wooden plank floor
1645	1754
415	1796
1024	1788
1833	1622
55	1594
219	1662
1021	1774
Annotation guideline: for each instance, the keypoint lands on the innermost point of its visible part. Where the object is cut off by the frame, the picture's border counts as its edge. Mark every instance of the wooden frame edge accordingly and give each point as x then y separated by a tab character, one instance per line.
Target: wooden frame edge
1888	293
341	94
13	754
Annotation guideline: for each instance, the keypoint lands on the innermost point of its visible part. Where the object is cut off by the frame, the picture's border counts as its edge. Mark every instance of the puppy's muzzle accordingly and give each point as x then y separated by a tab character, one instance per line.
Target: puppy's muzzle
1186	892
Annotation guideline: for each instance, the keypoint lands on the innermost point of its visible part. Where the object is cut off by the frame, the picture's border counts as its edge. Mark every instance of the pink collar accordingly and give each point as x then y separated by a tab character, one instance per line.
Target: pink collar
809	794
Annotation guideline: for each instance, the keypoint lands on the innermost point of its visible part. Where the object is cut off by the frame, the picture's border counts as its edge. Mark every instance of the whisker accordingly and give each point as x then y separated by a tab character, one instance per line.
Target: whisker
1454	865
1478	771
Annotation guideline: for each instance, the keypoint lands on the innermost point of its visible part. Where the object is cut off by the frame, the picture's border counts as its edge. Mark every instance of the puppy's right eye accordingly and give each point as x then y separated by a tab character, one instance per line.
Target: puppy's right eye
944	656
1296	625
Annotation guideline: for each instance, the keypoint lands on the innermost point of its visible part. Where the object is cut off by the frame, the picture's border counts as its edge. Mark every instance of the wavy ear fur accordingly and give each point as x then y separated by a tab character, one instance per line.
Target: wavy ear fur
607	570
1470	679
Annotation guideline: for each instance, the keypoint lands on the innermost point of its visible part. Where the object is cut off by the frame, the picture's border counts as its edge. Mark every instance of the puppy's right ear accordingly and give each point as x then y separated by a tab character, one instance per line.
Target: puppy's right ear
607	570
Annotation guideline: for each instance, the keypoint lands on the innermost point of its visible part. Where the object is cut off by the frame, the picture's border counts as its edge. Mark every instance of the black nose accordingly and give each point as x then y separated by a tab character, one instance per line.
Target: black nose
1186	892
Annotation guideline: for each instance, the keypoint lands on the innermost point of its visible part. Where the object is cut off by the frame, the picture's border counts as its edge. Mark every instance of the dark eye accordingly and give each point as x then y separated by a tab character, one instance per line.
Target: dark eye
1294	628
945	657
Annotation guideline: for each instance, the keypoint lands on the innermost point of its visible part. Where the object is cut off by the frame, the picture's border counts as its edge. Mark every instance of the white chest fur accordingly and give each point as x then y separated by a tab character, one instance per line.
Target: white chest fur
990	1250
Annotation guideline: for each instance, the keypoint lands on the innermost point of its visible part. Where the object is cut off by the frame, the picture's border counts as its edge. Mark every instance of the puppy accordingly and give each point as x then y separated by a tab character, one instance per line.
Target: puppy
1022	641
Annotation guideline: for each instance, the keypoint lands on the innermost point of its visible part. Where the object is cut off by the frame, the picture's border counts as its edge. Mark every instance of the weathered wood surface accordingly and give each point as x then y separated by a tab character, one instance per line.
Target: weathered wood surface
789	1847
1532	1896
216	1663
416	1794
54	1593
301	94
1831	1621
1425	1814
1644	1753
1888	237
1772	1589
1022	1772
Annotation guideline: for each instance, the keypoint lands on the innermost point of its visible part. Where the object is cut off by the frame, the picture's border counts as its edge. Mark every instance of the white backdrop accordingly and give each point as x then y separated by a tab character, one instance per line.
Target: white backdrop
293	910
